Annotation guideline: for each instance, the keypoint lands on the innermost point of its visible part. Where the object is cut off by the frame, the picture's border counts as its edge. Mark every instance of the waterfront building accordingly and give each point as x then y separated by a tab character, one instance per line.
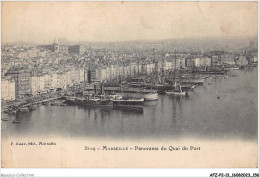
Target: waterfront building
98	75
95	75
228	59
4	89
216	60
158	66
192	62
112	71
108	73
139	68
81	75
37	83
121	70
47	82
103	74
7	89
61	77
143	68
74	76
189	62
255	59
168	65
54	81
180	62
205	61
197	62
86	76
149	68
116	71
133	68
22	79
68	79
126	70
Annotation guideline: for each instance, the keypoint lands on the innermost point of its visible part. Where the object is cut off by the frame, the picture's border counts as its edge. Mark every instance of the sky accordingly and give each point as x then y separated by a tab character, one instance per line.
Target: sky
42	22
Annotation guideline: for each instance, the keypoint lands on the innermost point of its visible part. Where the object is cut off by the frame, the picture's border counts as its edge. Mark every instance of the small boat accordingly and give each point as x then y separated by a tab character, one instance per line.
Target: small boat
171	92
55	104
151	96
192	87
176	91
62	104
16	121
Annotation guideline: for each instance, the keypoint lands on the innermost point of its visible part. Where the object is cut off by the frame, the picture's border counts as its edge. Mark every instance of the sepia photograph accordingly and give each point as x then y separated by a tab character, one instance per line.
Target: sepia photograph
129	84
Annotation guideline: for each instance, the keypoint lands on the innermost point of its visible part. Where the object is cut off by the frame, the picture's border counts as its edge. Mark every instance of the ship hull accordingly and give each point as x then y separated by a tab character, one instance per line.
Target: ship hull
90	102
136	104
175	93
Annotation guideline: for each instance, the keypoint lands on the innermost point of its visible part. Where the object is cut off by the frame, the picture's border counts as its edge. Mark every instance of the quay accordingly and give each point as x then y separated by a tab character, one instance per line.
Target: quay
42	101
23	104
222	72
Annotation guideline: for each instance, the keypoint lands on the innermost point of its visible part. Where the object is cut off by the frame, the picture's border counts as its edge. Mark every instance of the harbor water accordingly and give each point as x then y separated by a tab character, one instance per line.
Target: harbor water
221	108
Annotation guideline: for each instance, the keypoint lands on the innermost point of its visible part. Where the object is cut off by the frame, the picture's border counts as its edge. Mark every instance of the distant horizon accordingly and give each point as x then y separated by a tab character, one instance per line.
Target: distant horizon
252	37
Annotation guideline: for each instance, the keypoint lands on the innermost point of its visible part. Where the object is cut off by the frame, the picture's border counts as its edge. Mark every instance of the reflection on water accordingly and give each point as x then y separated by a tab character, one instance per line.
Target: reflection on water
222	108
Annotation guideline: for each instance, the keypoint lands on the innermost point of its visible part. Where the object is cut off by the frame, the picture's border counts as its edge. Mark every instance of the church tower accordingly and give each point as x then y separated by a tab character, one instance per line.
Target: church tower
55	46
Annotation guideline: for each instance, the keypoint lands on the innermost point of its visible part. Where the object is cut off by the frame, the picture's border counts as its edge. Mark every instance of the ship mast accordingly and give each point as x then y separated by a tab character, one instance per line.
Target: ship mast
174	66
193	61
180	72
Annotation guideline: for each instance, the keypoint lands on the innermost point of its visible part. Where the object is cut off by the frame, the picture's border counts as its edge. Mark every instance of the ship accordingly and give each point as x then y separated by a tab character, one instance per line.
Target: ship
128	103
90	100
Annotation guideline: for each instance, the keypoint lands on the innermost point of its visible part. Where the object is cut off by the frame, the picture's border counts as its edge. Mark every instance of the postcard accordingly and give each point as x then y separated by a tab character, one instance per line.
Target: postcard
129	85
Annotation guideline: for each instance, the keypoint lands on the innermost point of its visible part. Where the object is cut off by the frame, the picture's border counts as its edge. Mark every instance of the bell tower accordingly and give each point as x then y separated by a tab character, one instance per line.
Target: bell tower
55	46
